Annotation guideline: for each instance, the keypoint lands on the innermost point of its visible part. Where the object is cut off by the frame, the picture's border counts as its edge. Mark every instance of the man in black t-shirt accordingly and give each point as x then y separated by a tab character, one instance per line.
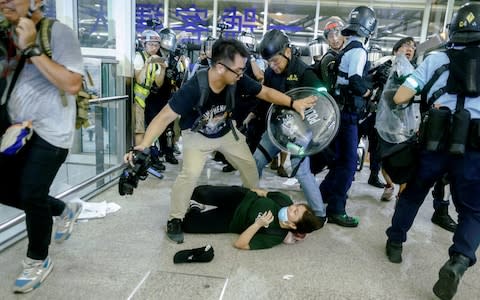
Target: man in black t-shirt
213	132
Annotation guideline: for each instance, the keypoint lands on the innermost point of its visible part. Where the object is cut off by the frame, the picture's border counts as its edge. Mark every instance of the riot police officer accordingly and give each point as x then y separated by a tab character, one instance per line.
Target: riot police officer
324	65
351	90
450	144
286	71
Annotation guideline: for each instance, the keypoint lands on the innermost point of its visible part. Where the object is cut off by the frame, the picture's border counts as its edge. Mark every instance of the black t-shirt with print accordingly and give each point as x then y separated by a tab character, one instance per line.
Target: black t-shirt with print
185	100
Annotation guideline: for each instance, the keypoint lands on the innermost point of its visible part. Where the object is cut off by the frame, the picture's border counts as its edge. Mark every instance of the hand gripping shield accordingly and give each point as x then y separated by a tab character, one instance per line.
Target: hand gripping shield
290	133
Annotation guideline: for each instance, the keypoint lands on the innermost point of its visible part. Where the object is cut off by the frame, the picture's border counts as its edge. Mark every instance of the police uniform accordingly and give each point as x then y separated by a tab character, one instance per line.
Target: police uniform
298	74
463	170
342	170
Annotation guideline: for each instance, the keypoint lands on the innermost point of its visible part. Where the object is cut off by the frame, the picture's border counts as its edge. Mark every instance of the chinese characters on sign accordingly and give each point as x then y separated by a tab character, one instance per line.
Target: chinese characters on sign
192	23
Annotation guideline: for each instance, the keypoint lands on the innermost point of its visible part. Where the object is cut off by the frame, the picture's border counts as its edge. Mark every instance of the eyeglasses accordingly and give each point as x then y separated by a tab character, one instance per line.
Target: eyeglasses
408	45
239	74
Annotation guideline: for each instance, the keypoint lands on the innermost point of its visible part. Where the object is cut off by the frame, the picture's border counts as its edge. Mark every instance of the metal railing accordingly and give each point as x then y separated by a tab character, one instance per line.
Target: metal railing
99	178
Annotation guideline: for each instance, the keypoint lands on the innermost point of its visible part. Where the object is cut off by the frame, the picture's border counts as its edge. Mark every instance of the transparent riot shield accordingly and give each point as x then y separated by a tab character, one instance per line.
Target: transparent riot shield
290	133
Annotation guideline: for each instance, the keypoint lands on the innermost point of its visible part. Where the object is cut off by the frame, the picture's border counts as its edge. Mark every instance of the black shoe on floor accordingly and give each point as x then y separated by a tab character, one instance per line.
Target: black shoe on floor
373	180
441	218
449	276
174	230
170	158
343	220
157	165
394	252
228	168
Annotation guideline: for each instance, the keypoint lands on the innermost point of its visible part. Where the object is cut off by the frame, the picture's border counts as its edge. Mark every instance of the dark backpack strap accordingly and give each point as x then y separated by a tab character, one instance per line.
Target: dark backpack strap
44	27
231	89
350	46
429	85
202	79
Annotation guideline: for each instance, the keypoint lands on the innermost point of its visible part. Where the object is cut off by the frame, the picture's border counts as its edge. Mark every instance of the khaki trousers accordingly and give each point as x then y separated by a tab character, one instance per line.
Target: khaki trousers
196	149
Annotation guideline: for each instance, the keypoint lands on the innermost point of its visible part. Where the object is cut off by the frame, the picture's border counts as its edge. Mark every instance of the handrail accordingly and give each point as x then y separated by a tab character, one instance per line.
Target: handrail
107	99
20	218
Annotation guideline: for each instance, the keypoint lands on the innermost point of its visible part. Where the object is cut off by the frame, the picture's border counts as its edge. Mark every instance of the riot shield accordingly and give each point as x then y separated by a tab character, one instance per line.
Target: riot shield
290	133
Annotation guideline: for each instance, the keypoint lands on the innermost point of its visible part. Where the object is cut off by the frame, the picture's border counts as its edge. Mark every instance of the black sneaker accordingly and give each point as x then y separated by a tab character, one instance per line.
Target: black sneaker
228	168
394	252
441	218
343	220
157	164
373	180
170	158
174	230
449	276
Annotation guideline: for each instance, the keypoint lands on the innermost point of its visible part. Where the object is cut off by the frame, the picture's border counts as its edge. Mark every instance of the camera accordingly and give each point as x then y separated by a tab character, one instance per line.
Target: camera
131	174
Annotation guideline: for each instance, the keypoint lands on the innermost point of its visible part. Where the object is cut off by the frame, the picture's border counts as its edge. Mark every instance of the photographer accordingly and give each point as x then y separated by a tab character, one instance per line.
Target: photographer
149	72
161	90
35	98
209	128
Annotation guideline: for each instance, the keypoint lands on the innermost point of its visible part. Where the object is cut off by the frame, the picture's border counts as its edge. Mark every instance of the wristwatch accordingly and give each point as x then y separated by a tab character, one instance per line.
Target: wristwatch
31	51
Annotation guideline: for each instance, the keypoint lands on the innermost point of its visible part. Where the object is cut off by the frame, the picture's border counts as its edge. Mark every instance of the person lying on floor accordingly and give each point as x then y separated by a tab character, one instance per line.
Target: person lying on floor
263	219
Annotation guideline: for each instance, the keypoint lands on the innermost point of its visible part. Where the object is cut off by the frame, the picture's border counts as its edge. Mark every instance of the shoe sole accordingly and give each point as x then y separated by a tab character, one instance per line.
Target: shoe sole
330	221
37	285
446	286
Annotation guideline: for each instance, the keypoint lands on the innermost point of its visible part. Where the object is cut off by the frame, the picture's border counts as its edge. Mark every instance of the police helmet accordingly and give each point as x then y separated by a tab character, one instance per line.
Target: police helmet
465	27
248	39
334	25
150	36
361	22
318	47
273	43
168	39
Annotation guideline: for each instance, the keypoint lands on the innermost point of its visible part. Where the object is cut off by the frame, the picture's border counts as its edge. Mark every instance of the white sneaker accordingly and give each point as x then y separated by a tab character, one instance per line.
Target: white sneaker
64	223
387	193
33	274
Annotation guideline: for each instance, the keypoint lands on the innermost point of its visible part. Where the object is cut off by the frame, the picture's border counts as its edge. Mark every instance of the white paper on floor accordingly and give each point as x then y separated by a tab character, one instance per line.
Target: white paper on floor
93	210
290	181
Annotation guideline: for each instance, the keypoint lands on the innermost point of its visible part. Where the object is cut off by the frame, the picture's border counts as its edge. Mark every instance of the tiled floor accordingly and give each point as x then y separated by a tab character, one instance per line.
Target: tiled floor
126	255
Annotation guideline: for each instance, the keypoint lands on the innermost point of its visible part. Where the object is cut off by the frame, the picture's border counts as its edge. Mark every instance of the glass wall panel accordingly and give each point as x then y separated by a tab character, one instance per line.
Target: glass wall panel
93	26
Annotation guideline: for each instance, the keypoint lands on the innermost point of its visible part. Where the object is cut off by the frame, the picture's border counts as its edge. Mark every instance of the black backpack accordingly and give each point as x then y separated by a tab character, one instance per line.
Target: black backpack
462	79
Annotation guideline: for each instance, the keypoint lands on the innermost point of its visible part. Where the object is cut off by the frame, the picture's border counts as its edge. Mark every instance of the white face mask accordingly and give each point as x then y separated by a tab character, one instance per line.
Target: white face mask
283	215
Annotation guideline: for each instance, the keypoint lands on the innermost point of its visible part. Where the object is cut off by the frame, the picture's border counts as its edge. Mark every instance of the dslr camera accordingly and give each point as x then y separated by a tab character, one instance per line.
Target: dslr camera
131	174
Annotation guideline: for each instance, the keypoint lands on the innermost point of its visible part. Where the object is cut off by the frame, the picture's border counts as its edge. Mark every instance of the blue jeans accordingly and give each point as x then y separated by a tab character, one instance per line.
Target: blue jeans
341	172
464	175
303	175
26	185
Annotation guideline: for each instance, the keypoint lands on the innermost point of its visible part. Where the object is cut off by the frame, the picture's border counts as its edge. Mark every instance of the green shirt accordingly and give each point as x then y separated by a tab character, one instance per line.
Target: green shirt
248	210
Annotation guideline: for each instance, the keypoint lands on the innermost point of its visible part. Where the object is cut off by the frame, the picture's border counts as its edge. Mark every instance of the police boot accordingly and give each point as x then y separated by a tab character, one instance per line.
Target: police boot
373	180
170	158
156	163
449	276
441	218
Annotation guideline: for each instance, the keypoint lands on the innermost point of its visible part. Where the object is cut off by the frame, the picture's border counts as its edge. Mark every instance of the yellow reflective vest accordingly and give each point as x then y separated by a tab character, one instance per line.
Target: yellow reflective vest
140	90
